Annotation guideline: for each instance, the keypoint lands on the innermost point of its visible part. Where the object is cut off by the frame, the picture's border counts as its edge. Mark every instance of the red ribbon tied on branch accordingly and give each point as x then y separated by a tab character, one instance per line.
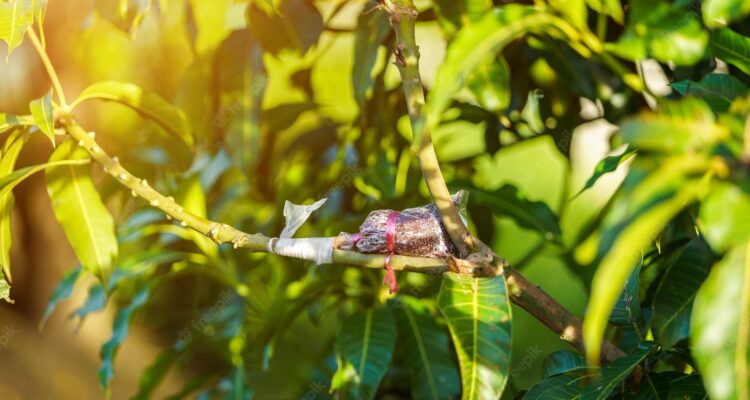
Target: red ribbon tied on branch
390	240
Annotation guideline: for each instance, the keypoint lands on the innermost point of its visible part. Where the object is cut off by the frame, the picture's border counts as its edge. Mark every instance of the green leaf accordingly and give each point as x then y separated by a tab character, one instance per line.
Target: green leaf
613	374
41	109
560	362
426	353
243	82
613	8
662	31
681	126
479	317
458	140
732	48
627	312
15	17
372	29
8	121
718	90
655	386
84	218
5	290
366	342
63	291
119	334
155	373
13	146
724	217
149	105
687	388
478	43
673	301
575	11
296	25
8	182
559	387
490	84
454	14
607	165
211	18
621	259
511	202
720	327
96	301
717	13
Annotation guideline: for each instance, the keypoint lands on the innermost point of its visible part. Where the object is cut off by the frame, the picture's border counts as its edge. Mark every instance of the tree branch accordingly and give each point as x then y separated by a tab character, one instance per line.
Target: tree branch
403	16
223	233
522	292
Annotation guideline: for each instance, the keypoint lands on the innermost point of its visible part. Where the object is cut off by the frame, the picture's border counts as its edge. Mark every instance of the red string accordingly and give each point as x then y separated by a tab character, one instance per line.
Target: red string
390	240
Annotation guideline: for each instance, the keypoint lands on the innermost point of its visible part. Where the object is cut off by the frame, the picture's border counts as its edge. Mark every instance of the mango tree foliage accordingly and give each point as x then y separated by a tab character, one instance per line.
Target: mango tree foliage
232	107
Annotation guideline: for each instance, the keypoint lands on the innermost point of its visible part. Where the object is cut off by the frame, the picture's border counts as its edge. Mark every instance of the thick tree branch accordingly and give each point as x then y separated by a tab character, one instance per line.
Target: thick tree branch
557	318
403	16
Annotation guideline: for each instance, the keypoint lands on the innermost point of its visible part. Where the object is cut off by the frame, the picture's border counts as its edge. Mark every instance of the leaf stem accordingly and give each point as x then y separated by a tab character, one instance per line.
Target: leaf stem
48	67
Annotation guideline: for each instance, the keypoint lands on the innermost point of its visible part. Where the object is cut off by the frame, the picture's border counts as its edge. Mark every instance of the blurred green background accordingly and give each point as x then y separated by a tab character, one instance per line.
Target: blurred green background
276	117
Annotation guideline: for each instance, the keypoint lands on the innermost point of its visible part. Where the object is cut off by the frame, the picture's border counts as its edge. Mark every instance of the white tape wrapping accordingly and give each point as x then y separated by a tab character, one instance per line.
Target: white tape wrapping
319	250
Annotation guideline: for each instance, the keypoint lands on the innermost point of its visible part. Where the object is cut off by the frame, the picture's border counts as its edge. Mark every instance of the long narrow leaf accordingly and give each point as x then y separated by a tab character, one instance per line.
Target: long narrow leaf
478	314
613	374
720	327
13	147
366	342
77	206
148	104
615	268
433	372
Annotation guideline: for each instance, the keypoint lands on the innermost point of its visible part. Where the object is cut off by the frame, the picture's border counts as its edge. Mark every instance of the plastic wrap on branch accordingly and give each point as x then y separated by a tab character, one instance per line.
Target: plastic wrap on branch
419	232
296	215
319	250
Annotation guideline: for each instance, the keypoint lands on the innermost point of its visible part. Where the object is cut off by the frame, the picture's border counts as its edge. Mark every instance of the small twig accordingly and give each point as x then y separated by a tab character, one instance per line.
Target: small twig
48	67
